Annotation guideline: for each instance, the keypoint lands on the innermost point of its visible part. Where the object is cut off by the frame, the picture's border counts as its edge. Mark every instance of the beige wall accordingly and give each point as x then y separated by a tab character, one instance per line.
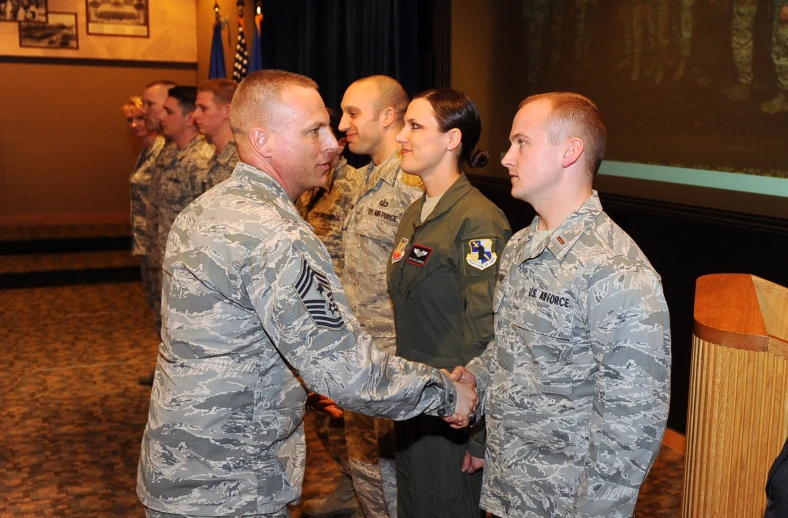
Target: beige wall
481	66
205	19
65	153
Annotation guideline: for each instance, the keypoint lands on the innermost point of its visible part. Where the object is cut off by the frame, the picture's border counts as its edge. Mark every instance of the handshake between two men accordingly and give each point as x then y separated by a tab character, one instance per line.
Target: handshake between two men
464	412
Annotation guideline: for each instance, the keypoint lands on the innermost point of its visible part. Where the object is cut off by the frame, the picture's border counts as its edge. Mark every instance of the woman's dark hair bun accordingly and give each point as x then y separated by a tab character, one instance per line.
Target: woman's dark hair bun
478	158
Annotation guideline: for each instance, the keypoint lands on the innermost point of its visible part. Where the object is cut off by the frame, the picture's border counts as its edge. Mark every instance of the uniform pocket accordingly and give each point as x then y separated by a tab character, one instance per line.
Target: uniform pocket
541	455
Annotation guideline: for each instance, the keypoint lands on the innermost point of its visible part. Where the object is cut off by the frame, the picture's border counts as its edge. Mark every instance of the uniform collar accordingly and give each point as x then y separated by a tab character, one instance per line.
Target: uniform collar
227	153
457	190
564	237
387	171
196	141
264	186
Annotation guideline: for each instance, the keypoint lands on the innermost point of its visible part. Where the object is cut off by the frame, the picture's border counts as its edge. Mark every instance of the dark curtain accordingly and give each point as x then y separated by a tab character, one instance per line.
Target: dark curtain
336	42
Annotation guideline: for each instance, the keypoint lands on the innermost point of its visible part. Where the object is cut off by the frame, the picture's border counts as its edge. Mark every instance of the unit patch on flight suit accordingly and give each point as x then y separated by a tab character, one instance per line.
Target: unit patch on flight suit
481	254
315	293
399	252
418	255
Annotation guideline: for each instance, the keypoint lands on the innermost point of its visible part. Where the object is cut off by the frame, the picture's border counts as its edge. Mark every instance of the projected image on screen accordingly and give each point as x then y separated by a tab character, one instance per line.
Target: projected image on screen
699	84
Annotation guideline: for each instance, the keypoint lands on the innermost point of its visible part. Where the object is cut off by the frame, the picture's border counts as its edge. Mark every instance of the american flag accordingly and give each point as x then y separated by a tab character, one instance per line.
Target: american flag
241	66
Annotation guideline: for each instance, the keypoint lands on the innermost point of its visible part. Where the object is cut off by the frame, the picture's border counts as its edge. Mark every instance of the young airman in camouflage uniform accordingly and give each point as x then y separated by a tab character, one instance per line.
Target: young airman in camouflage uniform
212	118
779	103
372	112
575	385
249	293
143	228
182	172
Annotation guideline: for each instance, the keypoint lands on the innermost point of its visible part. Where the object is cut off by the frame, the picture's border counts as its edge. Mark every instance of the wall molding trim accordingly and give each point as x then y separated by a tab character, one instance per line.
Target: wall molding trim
651	206
95	62
53	220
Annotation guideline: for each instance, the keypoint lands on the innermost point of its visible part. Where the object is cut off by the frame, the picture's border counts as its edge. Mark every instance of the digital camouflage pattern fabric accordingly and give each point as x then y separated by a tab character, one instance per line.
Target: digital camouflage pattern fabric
144	217
367	242
249	292
180	183
325	208
220	166
575	386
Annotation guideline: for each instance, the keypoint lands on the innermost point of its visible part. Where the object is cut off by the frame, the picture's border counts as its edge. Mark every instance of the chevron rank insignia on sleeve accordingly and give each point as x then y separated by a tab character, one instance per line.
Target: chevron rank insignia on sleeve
315	293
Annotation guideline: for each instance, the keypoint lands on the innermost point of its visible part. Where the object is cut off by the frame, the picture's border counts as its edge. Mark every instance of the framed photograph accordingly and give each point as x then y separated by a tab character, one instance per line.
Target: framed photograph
117	18
23	11
59	32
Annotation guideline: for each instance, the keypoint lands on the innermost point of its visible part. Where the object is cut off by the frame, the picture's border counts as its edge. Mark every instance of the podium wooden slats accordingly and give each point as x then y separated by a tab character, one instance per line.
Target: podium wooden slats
738	408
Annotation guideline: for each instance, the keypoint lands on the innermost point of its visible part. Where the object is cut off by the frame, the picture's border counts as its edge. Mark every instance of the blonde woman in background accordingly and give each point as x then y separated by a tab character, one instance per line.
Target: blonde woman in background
144	214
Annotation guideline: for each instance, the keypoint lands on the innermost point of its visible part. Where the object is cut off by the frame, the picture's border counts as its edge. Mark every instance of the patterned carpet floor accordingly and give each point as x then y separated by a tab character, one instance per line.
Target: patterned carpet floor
72	411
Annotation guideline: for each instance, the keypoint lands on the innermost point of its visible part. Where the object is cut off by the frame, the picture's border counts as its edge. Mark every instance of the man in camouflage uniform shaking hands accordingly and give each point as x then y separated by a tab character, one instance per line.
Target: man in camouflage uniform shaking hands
249	293
575	385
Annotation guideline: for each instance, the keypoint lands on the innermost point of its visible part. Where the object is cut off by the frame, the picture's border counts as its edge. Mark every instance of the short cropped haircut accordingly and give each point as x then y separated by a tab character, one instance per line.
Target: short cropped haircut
134	103
573	115
186	97
390	93
162	82
257	95
222	89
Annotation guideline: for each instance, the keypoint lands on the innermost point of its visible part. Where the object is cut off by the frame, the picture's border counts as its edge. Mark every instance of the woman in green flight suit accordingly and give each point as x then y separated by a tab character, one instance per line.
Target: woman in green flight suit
441	278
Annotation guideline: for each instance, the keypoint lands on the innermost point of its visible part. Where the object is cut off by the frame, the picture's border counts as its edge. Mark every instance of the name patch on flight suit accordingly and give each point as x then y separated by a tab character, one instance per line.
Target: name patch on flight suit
481	254
418	255
315	293
549	298
399	252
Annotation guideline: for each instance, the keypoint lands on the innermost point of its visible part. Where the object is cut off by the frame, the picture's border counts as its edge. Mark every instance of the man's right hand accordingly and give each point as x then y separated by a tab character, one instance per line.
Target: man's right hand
467	401
460	373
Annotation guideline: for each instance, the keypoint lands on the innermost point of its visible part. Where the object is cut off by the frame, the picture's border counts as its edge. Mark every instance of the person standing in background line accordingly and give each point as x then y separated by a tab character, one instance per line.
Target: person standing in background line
181	177
372	112
212	118
154	95
143	224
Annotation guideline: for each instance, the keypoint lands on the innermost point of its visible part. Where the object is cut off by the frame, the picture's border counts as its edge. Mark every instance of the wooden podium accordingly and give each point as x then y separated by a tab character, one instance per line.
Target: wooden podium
738	403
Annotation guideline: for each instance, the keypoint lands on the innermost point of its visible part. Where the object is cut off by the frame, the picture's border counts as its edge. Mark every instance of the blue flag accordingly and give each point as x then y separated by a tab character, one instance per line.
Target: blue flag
217	69
256	62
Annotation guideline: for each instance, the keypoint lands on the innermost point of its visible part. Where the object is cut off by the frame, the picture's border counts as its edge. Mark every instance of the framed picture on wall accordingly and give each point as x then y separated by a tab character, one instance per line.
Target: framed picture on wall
59	32
117	18
23	11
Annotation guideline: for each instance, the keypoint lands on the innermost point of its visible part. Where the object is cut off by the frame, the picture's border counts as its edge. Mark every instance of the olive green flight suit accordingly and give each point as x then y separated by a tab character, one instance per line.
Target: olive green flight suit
442	275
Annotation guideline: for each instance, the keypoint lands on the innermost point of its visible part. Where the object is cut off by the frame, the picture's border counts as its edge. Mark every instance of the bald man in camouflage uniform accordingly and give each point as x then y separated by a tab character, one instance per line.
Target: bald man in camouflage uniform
779	103
249	293
575	385
372	114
